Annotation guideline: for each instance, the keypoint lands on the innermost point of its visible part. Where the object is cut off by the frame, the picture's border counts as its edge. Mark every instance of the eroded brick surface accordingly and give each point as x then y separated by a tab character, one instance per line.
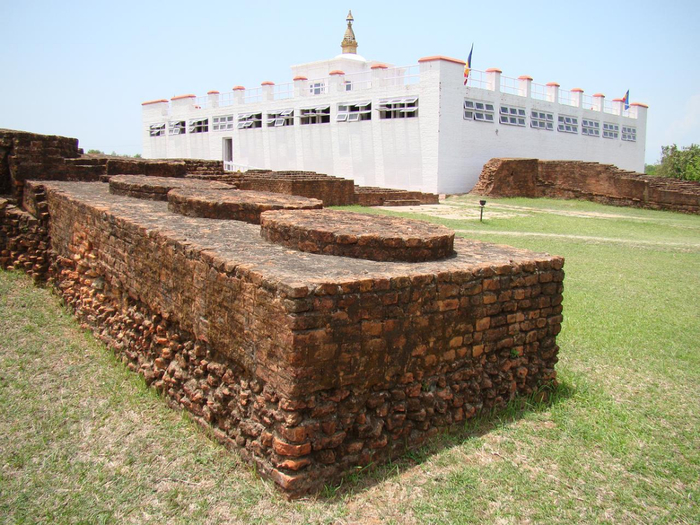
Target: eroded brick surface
157	188
333	191
372	196
373	237
604	183
234	205
309	364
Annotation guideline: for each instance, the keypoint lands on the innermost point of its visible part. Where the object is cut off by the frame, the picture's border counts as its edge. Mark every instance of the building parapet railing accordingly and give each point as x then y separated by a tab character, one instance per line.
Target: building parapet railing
253	95
201	102
587	102
511	86
283	91
477	79
402	76
358	82
566	98
234	166
539	91
226	99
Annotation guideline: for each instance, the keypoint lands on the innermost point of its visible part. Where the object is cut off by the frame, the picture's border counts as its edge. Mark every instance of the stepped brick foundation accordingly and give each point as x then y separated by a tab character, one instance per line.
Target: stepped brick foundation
234	205
333	191
157	188
373	237
372	196
310	365
604	183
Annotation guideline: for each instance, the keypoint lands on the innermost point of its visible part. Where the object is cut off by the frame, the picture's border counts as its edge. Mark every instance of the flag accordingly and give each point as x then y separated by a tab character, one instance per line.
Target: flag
468	66
626	99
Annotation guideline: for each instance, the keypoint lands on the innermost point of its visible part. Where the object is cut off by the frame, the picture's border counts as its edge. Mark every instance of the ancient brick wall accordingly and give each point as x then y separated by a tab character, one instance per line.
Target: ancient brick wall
332	191
25	156
592	181
24	242
372	196
204	167
310	364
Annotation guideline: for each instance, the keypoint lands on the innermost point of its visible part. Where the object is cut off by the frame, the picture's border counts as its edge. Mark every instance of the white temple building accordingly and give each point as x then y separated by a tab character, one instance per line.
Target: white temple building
416	127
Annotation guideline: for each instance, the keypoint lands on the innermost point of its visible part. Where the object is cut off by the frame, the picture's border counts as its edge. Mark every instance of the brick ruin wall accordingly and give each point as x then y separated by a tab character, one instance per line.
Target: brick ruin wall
591	181
372	196
25	156
309	365
333	191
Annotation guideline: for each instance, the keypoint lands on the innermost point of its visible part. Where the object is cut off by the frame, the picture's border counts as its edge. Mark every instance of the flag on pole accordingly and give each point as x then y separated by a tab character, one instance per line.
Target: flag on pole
468	65
626	99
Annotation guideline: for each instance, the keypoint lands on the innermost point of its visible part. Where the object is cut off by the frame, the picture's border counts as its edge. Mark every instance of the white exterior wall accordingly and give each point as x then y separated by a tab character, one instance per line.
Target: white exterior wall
438	151
374	152
466	145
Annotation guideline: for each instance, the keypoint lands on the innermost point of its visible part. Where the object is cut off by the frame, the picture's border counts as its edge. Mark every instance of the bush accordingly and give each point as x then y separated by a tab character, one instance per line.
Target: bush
683	163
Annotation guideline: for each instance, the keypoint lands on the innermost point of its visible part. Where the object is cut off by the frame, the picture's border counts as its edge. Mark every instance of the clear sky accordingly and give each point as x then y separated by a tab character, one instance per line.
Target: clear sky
83	68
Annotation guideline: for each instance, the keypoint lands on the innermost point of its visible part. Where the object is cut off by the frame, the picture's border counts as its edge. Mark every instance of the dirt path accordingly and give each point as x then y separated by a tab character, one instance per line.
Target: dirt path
611	240
470	210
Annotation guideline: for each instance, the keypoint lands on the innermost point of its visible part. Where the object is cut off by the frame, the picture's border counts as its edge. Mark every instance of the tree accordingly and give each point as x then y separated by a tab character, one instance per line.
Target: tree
683	163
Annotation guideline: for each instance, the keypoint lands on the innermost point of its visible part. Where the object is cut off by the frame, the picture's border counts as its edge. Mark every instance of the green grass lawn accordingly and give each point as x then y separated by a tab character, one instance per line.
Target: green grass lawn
83	440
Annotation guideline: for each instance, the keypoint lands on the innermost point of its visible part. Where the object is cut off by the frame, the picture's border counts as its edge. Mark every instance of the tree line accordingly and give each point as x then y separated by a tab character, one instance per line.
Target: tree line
677	163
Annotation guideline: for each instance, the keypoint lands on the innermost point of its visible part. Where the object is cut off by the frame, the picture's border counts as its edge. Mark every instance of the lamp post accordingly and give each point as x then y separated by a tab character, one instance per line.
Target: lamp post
482	203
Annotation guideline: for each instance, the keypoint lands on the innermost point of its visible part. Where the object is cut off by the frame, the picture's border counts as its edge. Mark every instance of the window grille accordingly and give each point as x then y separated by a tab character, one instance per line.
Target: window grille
277	119
406	107
542	120
590	128
512	116
317	88
568	124
249	120
200	125
222	123
354	112
610	131
477	110
177	127
157	130
317	115
629	133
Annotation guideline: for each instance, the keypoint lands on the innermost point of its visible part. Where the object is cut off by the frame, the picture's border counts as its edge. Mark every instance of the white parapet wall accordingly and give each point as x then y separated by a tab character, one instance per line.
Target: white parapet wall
414	127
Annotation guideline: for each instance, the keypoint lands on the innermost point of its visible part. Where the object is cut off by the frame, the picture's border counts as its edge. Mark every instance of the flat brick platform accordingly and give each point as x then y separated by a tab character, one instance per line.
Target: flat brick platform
373	237
310	365
157	188
373	196
234	205
333	191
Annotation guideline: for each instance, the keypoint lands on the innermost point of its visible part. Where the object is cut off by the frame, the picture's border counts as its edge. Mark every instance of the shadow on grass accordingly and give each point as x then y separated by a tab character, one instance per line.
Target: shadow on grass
364	478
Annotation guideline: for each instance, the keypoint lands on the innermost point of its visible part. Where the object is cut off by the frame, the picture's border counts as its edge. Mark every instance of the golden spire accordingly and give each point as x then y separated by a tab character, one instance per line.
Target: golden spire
349	44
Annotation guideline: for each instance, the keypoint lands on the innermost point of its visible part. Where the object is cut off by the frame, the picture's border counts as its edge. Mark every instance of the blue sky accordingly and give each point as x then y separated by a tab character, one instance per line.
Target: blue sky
82	69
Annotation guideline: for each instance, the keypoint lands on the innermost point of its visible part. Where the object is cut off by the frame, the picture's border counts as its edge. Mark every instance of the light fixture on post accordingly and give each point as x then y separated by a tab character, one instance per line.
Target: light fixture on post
482	203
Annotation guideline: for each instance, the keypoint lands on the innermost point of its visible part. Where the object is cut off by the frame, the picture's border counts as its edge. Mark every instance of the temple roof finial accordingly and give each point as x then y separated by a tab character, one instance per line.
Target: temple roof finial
349	44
